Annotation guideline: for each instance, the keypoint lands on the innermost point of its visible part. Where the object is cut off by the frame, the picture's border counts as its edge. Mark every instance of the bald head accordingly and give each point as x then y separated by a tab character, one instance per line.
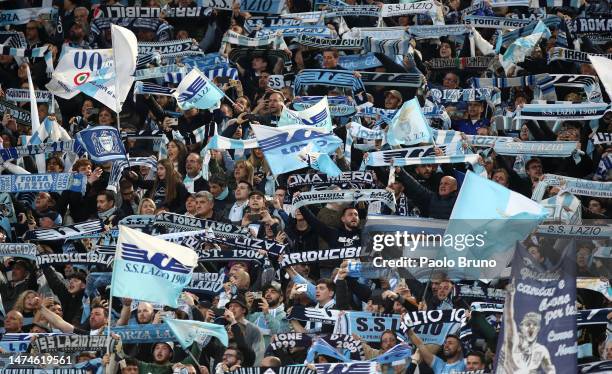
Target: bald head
448	185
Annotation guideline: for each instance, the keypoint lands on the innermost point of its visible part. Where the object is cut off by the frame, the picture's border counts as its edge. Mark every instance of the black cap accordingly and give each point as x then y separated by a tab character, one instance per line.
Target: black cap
238	299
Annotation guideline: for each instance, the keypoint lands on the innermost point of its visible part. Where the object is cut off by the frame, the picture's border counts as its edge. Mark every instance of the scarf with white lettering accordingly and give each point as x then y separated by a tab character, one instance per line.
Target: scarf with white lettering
564	54
158	72
434	32
89	258
72	343
171	48
48	182
319	255
347	178
25	15
574	186
541	148
422	7
208	283
477	62
143	333
354	10
107	11
21	116
21	250
594	28
180	223
148	88
321	42
495	22
468	94
23	95
562	111
331	196
602	138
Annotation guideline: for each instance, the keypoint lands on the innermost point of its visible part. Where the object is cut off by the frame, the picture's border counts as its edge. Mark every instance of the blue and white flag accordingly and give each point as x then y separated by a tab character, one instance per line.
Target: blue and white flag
321	347
397	353
189	331
497	217
197	91
409	126
319	161
103	143
522	47
150	269
317	115
281	146
98	73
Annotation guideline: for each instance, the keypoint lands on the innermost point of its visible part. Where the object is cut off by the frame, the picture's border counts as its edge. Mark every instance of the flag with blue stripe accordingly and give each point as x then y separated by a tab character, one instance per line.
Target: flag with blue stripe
103	143
409	125
281	146
197	91
499	215
150	269
189	331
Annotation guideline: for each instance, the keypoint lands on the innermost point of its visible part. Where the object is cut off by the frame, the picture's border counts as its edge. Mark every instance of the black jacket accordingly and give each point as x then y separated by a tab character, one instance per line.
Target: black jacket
434	205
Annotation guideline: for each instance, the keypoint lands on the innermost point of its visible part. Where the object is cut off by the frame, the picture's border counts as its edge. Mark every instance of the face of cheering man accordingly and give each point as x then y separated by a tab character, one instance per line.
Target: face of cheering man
452	347
103	203
273	297
350	219
330	60
424	171
13	322
475	110
448	185
97	318
193	165
275	103
75	285
144	313
323	294
474	363
162	353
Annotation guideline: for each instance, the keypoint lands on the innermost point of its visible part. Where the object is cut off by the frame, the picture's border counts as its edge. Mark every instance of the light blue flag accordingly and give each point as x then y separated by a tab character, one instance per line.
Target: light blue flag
522	47
282	147
189	331
397	353
317	115
103	143
496	217
409	125
321	347
197	91
150	269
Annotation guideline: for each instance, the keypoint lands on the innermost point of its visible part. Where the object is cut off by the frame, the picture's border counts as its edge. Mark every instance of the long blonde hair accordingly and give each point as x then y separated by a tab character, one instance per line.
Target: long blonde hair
20	303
